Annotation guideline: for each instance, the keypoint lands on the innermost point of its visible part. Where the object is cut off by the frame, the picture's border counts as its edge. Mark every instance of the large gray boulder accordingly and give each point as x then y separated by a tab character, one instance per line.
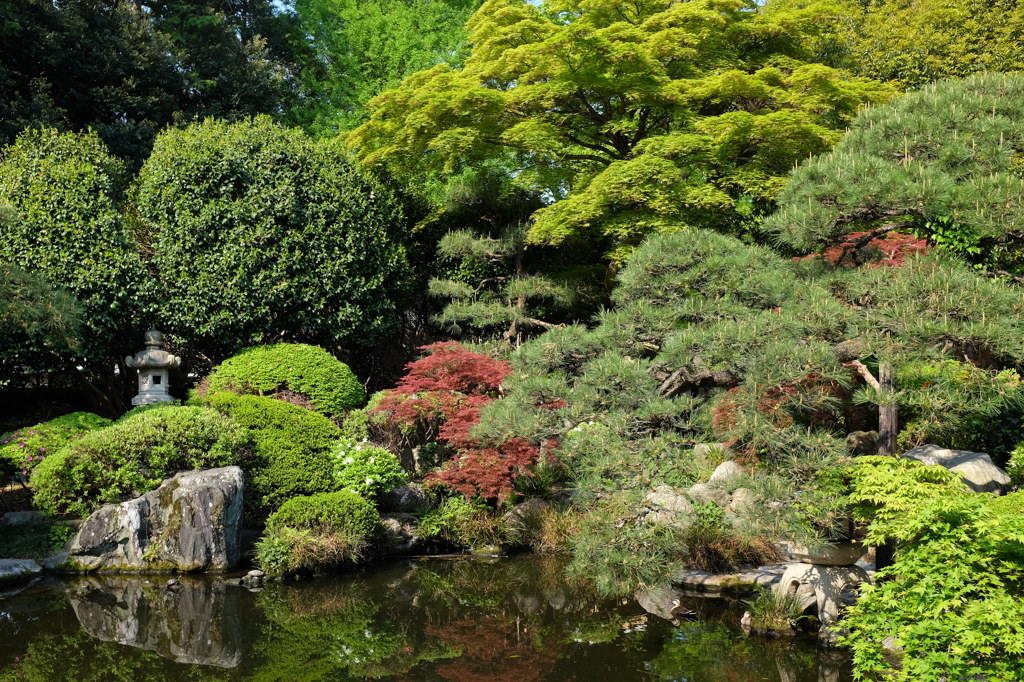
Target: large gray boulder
725	472
199	622
669	507
192	522
400	534
976	468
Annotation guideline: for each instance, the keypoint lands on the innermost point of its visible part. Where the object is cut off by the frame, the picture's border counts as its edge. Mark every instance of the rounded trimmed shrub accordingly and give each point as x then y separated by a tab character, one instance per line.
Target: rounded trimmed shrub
291	447
319	377
27	447
63	189
340	511
134	456
316	532
265	233
365	468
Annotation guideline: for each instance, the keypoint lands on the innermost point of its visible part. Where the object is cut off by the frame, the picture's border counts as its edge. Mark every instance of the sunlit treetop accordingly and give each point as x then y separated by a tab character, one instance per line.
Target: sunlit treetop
630	117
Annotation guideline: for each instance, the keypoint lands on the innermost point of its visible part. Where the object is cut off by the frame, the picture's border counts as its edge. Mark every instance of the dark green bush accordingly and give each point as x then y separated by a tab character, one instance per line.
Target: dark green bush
291	447
316	532
27	447
133	457
312	372
262	234
341	511
63	191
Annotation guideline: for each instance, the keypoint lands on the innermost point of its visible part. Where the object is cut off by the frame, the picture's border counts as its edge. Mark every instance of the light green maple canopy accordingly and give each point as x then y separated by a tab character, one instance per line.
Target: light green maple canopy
630	118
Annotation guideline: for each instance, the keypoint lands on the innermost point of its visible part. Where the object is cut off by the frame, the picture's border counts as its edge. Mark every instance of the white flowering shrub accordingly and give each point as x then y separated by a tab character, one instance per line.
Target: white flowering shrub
366	469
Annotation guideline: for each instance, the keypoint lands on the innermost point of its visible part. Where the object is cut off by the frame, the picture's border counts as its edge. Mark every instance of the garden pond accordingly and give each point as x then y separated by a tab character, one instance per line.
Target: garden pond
434	619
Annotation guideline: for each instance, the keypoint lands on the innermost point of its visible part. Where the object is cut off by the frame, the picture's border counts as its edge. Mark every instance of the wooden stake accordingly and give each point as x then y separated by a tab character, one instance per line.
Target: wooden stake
887	419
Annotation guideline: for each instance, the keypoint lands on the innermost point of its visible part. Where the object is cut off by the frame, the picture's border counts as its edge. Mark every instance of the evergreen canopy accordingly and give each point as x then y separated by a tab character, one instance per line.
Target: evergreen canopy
633	118
260	234
712	340
946	159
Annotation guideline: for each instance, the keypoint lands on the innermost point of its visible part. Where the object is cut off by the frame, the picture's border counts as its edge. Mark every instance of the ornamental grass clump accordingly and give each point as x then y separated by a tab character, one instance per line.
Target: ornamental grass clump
775	613
134	456
293	372
462	523
316	533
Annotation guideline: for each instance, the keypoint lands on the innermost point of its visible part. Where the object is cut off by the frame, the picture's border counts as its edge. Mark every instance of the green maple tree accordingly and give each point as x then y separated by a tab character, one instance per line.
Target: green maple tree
630	118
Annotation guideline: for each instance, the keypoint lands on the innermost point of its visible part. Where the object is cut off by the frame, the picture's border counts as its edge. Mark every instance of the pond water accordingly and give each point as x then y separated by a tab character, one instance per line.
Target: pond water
456	619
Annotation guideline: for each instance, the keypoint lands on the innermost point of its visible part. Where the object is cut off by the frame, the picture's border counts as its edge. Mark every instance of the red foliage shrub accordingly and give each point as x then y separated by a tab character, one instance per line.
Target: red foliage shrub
489	472
891	249
441	397
447	366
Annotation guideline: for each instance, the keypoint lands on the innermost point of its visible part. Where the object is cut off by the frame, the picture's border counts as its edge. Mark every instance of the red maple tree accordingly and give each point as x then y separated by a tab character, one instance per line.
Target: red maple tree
442	395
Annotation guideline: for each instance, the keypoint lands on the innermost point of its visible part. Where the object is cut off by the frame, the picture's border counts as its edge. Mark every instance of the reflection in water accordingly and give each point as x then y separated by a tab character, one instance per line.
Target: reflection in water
462	620
197	622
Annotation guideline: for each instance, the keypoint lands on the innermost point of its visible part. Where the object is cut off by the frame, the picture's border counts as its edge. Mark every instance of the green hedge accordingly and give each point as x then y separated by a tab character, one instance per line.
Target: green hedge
133	457
291	447
316	533
328	383
27	447
341	511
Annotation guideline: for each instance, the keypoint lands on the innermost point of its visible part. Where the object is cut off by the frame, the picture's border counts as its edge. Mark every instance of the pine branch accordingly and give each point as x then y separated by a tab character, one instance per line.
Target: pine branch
541	323
1003	273
864	372
865	239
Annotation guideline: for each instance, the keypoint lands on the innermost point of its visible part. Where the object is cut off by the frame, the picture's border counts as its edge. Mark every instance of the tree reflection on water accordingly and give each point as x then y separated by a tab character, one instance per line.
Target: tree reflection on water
461	620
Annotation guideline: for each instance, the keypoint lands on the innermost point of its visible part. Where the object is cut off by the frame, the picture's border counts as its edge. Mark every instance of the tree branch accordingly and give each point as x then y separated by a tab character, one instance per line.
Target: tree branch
591	145
1003	273
864	372
542	323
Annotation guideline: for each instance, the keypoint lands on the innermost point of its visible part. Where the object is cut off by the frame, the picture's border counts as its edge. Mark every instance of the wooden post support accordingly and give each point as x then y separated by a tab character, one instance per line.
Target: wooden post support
887	420
887	427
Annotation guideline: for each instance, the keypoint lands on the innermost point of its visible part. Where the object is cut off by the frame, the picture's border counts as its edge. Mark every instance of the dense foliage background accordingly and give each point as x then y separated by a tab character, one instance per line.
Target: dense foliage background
576	250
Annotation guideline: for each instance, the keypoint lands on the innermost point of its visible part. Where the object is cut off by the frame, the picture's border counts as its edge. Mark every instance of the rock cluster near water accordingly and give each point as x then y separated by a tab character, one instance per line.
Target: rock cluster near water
192	522
670	506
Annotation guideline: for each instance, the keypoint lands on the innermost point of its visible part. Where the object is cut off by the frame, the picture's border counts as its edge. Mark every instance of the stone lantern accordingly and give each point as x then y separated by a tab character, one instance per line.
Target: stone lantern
153	365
